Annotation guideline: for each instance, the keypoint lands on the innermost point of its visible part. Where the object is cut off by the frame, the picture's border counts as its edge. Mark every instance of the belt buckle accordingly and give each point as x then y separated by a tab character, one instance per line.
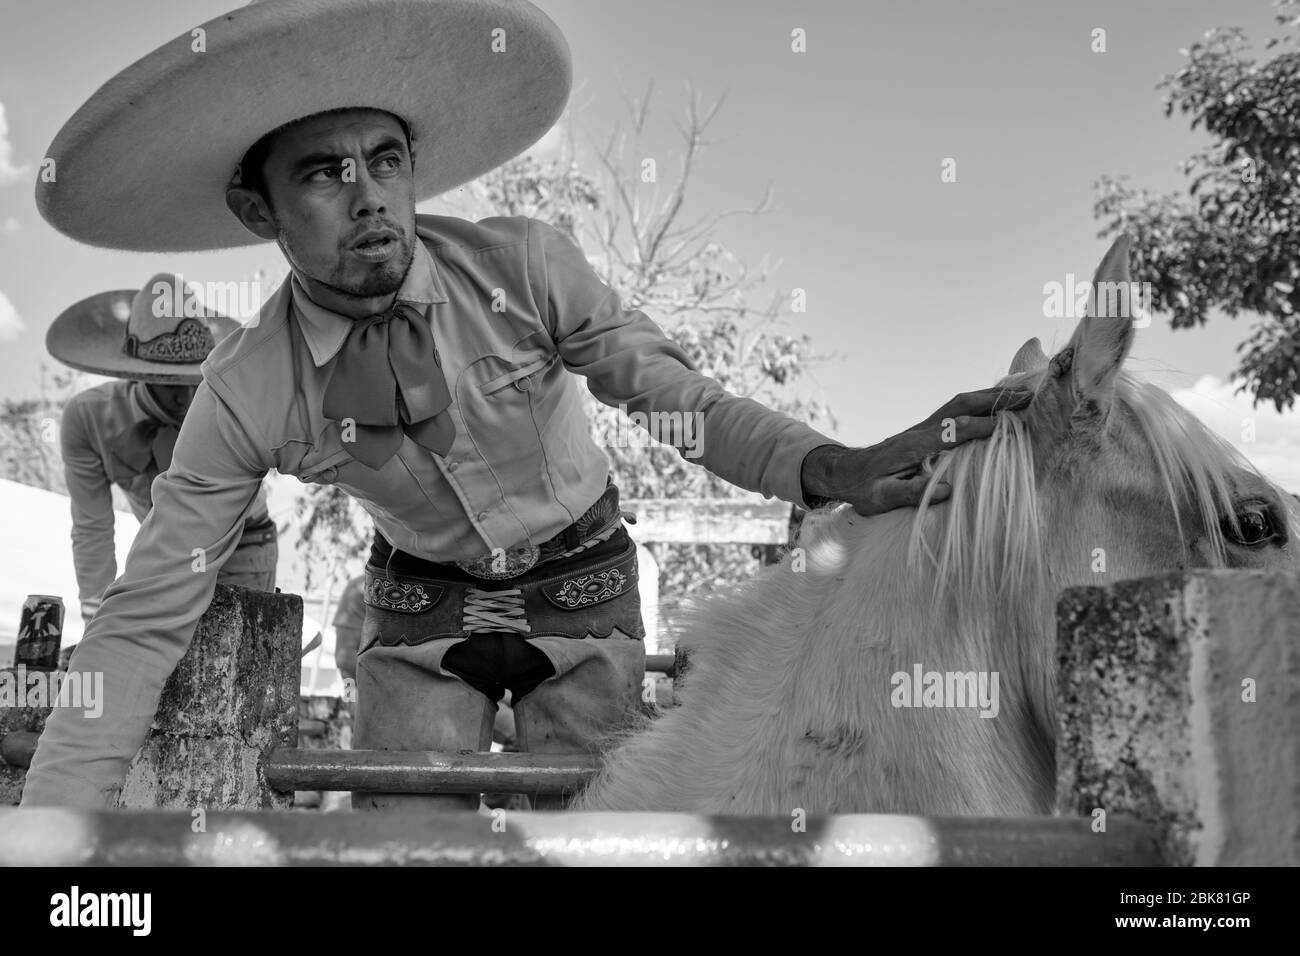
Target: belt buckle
502	563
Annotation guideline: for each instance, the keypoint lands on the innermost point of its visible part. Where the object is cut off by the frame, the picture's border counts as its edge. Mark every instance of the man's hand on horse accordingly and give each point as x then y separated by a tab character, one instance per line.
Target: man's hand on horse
887	476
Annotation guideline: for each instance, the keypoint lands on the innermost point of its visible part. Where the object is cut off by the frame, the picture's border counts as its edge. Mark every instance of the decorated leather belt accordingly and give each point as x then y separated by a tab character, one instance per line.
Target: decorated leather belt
506	563
588	594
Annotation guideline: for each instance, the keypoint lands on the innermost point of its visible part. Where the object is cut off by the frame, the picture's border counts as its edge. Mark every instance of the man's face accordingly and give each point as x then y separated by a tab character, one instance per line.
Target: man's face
174	399
342	199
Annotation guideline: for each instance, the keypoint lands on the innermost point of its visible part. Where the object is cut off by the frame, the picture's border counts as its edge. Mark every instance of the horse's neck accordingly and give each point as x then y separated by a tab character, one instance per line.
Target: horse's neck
888	610
892	604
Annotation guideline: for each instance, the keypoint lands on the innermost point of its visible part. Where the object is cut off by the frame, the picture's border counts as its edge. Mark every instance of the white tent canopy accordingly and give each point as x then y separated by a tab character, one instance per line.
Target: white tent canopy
36	557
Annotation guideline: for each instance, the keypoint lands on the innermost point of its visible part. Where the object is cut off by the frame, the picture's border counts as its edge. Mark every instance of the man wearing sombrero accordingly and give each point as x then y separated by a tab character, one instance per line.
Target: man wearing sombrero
122	433
421	363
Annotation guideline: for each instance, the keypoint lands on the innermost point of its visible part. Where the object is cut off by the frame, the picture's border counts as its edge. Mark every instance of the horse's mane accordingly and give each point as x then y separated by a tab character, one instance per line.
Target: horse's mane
987	545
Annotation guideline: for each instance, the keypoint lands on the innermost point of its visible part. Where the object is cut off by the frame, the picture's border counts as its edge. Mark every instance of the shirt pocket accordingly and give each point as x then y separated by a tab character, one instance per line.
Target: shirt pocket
495	396
329	462
316	469
395	489
521	376
327	458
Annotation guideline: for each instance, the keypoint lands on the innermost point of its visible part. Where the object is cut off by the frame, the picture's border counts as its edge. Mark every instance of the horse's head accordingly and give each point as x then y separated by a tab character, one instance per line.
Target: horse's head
1129	483
1100	478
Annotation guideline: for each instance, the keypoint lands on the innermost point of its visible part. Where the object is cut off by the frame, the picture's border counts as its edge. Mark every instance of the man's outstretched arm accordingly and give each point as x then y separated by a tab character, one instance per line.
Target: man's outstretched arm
629	361
149	614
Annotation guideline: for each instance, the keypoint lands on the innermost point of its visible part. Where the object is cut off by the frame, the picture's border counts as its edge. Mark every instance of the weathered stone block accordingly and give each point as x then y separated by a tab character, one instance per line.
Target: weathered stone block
16	720
232	697
1179	703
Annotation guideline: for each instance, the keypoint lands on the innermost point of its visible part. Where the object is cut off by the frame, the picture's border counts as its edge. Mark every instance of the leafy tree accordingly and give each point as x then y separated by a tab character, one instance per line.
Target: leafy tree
29	431
1231	242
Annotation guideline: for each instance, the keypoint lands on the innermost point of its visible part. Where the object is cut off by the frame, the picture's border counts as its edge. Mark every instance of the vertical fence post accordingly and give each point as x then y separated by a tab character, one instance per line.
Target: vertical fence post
1179	703
232	698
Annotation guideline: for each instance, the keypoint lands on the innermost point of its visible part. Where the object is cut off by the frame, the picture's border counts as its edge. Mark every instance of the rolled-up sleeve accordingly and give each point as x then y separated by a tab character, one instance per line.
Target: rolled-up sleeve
90	493
149	614
629	362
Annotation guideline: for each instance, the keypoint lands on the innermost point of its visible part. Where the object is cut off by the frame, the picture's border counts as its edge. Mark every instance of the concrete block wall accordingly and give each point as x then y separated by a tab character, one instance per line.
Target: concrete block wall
1179	703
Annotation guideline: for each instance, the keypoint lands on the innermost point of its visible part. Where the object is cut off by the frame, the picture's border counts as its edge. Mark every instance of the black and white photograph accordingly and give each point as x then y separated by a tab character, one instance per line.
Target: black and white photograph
701	433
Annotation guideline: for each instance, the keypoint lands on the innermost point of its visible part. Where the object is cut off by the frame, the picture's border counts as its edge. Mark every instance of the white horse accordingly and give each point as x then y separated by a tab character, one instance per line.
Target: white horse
794	697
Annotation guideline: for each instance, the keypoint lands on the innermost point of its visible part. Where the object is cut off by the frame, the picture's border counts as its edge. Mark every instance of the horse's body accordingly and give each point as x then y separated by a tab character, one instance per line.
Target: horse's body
792	700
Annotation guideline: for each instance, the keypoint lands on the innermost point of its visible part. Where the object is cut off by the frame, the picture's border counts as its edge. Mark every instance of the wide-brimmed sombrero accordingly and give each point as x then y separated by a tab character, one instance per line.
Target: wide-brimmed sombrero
160	333
143	165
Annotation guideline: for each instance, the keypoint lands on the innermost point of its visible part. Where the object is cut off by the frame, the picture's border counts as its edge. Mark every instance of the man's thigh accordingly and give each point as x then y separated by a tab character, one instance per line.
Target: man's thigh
407	701
596	692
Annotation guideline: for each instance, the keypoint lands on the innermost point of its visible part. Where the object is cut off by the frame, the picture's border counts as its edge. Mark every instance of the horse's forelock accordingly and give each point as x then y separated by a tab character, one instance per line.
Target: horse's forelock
982	544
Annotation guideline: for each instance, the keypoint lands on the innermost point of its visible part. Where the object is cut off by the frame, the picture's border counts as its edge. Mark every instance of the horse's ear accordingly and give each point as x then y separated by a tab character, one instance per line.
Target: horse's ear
1030	358
1102	339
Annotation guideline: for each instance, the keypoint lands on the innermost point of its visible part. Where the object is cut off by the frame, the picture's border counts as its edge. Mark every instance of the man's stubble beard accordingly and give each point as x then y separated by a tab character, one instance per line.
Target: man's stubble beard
379	282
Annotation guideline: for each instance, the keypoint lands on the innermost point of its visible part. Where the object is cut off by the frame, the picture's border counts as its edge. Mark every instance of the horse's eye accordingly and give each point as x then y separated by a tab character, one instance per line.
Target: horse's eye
1254	526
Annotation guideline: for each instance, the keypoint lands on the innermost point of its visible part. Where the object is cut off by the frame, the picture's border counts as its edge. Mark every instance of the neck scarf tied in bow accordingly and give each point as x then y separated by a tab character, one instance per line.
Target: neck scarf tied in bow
144	448
388	382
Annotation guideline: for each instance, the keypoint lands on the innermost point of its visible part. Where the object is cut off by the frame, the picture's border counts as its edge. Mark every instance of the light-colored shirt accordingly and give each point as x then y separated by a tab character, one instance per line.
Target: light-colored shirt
515	308
91	421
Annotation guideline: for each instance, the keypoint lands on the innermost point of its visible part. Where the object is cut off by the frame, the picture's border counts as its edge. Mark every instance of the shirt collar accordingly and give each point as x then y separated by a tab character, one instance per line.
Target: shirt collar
145	408
326	330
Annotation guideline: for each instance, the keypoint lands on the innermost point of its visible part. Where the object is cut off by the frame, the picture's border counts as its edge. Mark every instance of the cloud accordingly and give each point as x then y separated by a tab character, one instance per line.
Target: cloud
1275	450
10	226
9	173
10	323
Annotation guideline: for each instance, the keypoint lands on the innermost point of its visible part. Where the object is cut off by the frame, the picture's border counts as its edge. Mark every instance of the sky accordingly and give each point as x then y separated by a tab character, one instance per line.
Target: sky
919	288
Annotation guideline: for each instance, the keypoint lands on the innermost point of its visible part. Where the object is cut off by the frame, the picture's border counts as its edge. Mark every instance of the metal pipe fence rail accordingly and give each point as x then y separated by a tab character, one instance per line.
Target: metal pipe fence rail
56	837
661	663
413	771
